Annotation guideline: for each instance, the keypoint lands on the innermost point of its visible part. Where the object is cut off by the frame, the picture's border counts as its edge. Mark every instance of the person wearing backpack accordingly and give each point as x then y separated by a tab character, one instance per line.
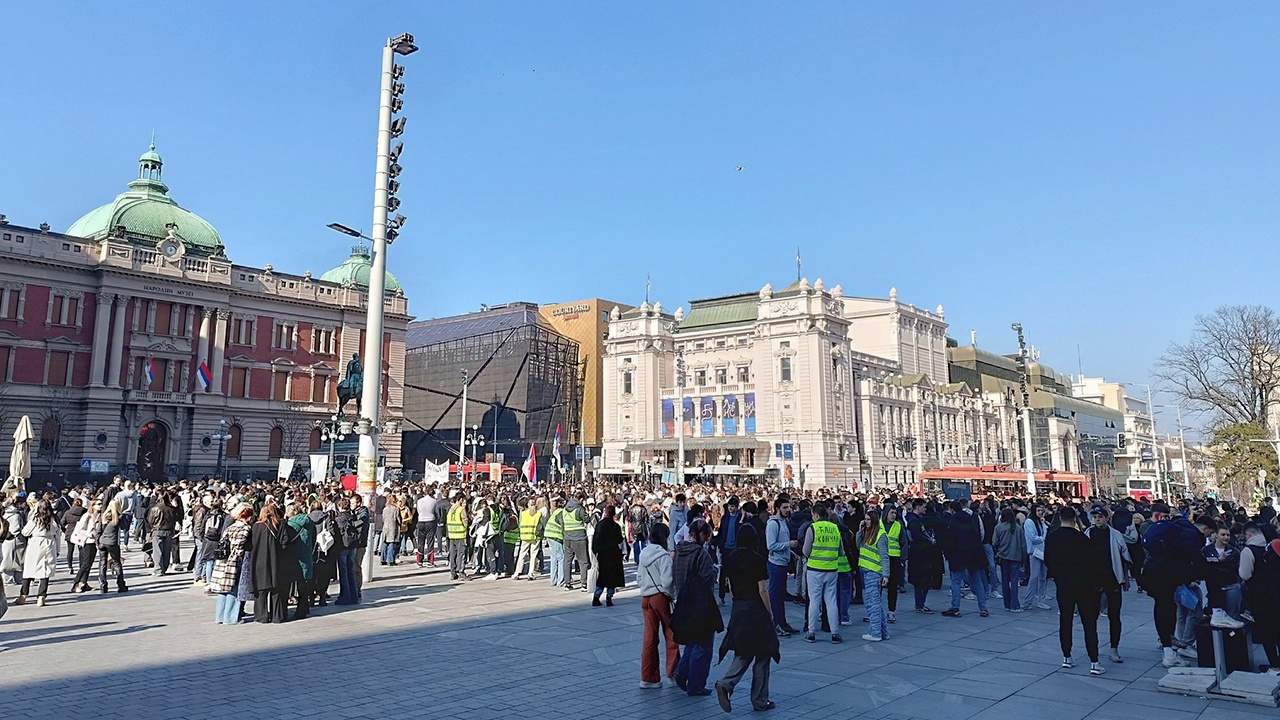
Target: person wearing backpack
206	534
1173	548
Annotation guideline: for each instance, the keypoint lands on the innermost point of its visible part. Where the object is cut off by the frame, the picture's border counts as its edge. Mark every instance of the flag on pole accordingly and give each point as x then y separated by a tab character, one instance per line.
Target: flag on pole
555	448
203	376
530	467
149	370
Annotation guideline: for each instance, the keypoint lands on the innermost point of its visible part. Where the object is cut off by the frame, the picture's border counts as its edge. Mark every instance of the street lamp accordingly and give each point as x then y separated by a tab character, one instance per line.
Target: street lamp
1023	372
475	440
332	433
383	232
222	436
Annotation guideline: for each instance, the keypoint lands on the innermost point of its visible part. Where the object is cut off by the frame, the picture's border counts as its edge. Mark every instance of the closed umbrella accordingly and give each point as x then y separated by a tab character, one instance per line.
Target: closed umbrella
20	458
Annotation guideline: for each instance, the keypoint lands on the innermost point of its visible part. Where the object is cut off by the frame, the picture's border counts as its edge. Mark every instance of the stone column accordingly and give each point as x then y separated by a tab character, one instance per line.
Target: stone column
202	352
219	349
101	339
118	349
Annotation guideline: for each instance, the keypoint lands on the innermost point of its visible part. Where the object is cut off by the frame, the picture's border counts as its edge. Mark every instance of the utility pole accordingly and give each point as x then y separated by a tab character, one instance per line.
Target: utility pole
385	169
680	378
1026	409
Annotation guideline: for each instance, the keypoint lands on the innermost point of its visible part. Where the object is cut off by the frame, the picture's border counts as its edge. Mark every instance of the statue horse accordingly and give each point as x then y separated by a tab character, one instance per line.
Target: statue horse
348	390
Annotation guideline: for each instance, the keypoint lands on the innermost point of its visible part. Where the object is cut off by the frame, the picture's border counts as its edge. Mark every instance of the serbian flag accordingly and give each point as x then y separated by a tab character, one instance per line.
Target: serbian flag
555	448
149	369
203	376
530	467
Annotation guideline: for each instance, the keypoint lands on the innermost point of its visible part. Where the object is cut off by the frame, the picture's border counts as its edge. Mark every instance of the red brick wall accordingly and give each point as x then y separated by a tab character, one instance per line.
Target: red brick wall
28	365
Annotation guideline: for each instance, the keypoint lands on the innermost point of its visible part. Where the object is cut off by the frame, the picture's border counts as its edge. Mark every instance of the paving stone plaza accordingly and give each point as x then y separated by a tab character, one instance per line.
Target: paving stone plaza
423	646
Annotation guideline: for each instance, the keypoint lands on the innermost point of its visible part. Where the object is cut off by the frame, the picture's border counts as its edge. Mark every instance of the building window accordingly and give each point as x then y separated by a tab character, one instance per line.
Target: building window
784	369
323	342
284	336
10	303
277	443
161	368
50	437
6	353
320	389
164	318
64	309
699	377
699	345
242	331
744	374
59	368
280	386
722	376
720	343
315	439
233	442
239	382
628	385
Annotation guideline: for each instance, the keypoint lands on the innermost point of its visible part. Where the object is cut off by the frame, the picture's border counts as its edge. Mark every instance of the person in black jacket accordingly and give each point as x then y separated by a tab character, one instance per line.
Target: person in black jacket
1077	570
962	545
272	564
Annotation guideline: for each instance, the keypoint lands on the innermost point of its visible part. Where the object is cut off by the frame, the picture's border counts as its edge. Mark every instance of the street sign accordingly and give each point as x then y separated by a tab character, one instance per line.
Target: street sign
1175	465
788	451
1146	454
777	449
85	464
97	467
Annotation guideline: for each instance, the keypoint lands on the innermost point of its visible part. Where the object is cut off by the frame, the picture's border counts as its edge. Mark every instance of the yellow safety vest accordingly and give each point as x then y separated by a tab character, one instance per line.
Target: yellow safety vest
571	522
509	537
456	525
869	557
529	521
895	535
826	546
555	530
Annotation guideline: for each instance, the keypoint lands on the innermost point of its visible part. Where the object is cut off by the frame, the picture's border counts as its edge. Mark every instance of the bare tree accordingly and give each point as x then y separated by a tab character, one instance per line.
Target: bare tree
295	427
1230	367
59	424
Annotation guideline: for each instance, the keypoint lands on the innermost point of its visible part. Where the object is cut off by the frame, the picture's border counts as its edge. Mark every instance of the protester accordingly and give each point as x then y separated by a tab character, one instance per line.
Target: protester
873	564
1109	550
606	545
1009	543
696	618
231	564
44	542
750	634
1078	575
653	574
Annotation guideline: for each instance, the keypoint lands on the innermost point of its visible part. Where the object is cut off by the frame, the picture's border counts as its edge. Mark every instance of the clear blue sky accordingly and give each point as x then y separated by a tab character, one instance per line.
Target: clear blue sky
1099	171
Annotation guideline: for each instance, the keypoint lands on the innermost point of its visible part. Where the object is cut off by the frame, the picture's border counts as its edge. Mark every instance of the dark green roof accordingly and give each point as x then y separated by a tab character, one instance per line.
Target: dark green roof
729	310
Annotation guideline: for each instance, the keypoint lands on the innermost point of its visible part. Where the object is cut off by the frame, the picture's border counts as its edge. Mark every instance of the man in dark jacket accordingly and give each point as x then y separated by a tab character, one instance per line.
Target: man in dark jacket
1173	548
1077	570
164	518
962	546
693	563
726	539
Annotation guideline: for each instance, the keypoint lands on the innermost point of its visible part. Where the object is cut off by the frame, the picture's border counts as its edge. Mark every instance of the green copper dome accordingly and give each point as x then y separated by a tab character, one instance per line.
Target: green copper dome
146	213
355	272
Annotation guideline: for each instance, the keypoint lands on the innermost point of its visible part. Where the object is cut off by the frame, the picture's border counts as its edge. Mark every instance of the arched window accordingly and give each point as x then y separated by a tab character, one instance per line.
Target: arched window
233	442
50	436
277	443
315	439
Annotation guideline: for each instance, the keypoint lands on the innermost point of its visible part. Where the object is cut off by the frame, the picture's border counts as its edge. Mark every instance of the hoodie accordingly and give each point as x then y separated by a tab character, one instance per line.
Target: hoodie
654	571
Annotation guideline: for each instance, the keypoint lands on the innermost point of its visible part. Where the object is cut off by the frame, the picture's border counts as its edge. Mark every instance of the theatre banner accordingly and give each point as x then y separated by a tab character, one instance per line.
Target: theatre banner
707	411
729	411
749	412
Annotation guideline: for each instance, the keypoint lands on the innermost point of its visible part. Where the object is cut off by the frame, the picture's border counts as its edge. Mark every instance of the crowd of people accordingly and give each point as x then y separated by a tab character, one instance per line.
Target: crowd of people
283	546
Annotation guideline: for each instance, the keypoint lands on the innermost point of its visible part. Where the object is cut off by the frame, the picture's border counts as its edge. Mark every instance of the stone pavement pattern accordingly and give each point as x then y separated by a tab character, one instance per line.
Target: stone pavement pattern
423	646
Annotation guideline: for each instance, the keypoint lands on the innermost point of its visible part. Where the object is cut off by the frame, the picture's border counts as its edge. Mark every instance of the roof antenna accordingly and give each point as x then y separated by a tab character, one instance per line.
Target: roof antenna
648	286
153	138
797	263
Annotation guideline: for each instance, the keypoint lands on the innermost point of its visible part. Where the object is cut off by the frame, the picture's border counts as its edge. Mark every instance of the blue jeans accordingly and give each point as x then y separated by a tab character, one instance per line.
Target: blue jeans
637	546
991	576
822	587
873	604
204	570
695	666
389	551
977	583
777	587
557	562
227	610
844	594
1010	571
1037	584
347	591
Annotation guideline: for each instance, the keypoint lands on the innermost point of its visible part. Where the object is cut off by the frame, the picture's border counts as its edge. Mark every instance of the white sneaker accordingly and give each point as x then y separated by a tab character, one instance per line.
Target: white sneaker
1173	662
1043	606
1188	653
893	617
1221	619
650	685
871	638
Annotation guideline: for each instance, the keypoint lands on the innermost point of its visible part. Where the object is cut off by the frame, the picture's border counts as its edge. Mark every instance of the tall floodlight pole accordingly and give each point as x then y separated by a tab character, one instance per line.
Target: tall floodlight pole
384	169
680	416
1026	410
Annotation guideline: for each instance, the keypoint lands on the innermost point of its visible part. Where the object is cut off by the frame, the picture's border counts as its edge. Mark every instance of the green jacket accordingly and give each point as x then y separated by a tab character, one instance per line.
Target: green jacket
306	545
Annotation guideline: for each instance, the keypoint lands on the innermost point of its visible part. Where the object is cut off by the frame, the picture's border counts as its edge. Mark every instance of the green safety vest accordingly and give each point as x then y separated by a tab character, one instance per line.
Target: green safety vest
571	522
869	557
895	535
509	537
529	521
826	546
555	529
456	526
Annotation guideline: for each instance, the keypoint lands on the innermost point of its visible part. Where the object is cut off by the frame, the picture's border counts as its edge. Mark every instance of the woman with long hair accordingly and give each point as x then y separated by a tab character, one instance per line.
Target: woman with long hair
750	635
606	545
267	557
44	540
70	519
85	537
1035	530
653	574
873	565
1009	543
109	545
227	570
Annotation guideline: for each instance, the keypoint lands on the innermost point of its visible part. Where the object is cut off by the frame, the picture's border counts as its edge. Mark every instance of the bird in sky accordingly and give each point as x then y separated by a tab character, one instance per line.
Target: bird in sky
739	168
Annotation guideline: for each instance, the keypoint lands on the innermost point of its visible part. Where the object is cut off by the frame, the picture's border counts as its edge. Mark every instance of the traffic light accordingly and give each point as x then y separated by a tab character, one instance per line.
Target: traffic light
1120	441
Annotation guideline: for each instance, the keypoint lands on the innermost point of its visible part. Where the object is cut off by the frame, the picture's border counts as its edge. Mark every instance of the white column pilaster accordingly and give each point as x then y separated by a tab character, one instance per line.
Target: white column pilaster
101	339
